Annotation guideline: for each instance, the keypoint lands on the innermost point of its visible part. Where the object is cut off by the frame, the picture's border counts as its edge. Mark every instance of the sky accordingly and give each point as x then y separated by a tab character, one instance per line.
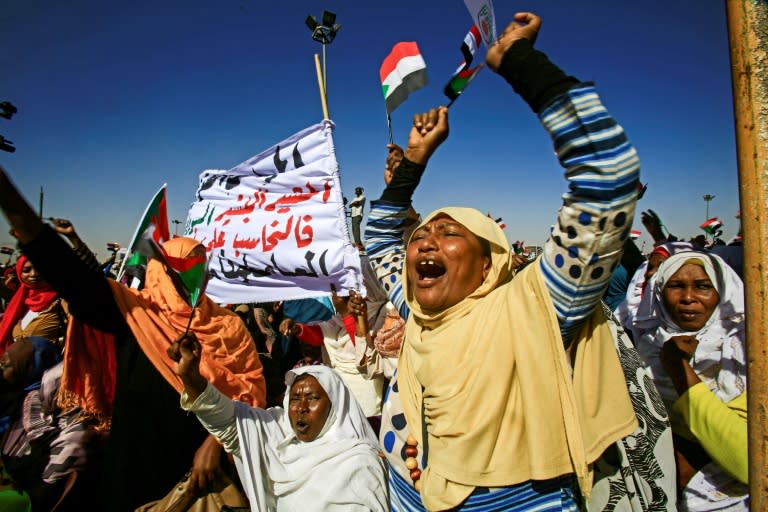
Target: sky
116	98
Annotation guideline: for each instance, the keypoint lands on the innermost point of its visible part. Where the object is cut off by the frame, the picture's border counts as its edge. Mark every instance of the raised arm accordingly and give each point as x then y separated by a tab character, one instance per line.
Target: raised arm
86	290
389	215
215	411
600	165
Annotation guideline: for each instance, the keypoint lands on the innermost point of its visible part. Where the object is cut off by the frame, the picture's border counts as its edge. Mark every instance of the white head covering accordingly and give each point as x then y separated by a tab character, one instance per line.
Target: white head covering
340	466
626	311
719	359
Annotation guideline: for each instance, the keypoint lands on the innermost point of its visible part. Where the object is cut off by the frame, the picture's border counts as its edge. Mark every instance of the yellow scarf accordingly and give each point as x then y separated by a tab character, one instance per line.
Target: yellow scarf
501	402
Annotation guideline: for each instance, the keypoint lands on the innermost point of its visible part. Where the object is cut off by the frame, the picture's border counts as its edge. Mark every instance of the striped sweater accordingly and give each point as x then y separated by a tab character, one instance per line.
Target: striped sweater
586	242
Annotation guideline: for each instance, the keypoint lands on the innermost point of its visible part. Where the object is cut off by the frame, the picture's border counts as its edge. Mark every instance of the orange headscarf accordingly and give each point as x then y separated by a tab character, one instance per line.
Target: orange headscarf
157	315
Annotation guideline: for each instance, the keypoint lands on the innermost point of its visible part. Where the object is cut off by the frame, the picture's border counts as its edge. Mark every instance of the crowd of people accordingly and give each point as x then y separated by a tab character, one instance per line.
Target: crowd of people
592	377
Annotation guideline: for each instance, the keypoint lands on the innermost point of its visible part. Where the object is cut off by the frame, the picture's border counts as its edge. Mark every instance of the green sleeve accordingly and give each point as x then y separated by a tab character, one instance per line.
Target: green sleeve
720	428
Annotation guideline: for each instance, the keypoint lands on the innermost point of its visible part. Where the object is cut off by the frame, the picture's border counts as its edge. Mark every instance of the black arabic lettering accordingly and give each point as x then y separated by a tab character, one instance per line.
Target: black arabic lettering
281	165
229	182
303	272
244	272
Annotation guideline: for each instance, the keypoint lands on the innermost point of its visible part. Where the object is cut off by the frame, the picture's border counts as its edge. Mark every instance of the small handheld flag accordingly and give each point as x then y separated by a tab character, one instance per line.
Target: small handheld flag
464	74
712	226
153	225
484	18
402	72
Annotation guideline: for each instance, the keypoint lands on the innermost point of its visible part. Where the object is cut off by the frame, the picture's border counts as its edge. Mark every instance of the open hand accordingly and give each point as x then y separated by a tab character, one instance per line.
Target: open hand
525	25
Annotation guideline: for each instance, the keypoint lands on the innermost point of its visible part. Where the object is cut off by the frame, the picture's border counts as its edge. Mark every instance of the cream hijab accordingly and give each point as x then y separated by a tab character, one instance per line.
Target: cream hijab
490	384
339	468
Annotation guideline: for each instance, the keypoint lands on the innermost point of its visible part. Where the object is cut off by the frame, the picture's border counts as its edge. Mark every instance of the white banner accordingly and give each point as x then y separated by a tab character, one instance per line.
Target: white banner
275	224
485	19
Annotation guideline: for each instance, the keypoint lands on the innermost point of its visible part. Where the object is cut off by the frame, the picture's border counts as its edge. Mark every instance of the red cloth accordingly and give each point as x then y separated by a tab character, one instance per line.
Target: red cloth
312	334
27	298
90	372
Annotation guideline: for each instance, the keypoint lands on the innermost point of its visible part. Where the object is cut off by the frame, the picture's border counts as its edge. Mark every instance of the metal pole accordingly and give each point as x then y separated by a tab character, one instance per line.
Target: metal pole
41	202
748	41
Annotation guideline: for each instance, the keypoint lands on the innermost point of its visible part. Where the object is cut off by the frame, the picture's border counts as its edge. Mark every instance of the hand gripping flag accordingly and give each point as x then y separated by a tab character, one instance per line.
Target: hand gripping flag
464	74
401	73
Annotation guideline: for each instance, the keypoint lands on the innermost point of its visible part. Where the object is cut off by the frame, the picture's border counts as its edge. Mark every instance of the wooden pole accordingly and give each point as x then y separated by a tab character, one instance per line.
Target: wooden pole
321	84
748	41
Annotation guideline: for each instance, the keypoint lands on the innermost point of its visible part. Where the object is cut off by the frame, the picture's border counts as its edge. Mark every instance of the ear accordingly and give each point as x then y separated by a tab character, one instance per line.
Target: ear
486	267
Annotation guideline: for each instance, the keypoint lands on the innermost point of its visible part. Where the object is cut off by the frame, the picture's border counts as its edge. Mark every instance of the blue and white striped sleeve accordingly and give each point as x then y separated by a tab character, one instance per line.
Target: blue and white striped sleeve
386	248
602	169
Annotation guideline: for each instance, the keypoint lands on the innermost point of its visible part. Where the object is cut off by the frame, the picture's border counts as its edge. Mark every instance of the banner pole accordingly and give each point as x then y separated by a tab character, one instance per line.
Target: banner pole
320	84
748	42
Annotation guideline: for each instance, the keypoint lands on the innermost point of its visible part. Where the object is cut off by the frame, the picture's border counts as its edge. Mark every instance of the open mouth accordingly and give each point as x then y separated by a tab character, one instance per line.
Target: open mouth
429	270
301	426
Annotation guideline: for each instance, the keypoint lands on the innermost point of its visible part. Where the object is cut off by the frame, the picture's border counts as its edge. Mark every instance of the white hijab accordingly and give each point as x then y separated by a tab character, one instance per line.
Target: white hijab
340	469
719	359
627	310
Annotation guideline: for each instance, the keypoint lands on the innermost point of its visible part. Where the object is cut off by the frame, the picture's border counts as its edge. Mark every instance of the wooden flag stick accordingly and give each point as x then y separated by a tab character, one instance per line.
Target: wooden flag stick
323	97
748	42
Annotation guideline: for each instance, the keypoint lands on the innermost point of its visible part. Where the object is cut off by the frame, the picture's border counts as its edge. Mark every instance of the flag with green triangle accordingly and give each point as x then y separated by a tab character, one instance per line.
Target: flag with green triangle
153	225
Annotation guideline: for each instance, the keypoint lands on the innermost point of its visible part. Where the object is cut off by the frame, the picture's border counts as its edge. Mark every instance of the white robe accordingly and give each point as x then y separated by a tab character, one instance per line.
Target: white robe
339	470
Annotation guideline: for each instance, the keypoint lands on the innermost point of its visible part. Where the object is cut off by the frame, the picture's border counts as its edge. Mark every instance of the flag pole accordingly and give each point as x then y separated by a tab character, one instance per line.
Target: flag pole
323	98
749	80
389	128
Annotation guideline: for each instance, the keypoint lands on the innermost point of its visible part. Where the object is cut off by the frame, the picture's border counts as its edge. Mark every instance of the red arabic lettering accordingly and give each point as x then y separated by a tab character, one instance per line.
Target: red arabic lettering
305	230
218	241
238	210
271	241
290	199
245	243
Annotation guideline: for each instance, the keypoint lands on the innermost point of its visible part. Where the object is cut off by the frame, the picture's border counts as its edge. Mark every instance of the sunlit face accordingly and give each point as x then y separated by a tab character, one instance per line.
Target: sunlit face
29	275
308	408
445	263
690	297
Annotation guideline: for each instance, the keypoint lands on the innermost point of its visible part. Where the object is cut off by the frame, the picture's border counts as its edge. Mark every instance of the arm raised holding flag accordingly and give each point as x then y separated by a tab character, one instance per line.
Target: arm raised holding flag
150	435
453	282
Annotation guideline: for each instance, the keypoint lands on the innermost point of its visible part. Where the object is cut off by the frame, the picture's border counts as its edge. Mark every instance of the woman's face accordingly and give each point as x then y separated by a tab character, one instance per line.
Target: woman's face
29	275
690	297
445	263
308	408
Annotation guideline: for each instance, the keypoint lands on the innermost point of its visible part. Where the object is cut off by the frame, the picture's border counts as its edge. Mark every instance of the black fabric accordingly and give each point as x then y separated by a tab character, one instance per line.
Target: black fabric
404	182
533	76
153	441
